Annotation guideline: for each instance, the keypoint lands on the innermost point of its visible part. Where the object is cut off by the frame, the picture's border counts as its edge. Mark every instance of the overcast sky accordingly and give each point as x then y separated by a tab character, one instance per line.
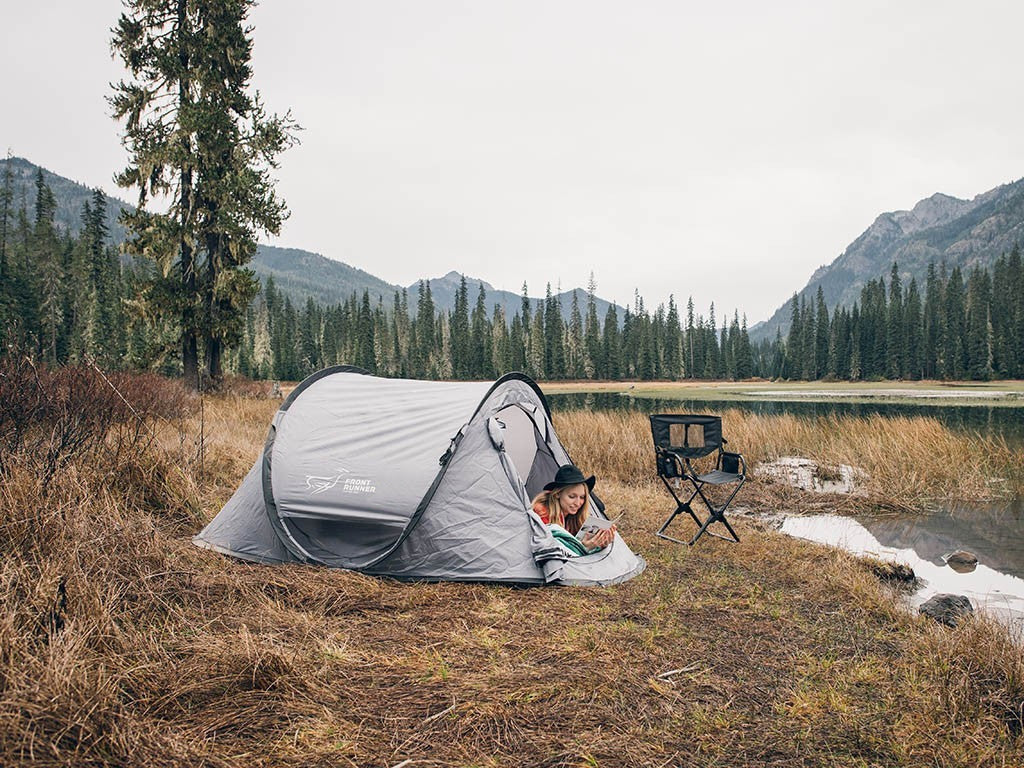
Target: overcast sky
719	150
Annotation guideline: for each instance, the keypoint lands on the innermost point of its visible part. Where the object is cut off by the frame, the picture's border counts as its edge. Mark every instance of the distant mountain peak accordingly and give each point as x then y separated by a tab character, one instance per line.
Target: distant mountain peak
453	280
933	211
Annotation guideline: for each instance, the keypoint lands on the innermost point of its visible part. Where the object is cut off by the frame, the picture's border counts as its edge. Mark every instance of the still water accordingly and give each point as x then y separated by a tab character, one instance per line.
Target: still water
992	532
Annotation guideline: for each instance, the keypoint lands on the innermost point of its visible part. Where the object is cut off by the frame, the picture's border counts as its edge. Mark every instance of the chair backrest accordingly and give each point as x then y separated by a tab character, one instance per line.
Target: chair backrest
686	435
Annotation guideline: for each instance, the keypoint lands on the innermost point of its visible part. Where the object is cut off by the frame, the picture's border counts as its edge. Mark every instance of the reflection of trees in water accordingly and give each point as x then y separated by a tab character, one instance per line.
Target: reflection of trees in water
995	533
1005	421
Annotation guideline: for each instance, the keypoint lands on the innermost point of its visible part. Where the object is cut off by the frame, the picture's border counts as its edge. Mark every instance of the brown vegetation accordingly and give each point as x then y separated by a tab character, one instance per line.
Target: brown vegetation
123	644
910	462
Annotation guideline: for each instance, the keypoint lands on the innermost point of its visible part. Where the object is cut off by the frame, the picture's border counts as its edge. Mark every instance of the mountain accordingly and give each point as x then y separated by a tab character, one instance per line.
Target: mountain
444	289
300	274
939	229
303	274
70	195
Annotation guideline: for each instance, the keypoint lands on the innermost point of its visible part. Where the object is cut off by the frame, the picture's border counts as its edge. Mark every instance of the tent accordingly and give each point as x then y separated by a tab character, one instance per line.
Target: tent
415	480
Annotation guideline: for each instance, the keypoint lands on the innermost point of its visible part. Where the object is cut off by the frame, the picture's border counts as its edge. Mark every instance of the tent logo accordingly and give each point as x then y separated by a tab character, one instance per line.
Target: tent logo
317	484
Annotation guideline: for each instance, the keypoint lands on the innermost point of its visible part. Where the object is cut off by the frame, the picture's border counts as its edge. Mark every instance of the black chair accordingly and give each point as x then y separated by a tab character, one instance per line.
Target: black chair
681	440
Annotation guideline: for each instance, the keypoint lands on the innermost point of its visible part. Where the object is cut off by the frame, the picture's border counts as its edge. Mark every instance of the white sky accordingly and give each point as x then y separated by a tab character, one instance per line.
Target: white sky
722	151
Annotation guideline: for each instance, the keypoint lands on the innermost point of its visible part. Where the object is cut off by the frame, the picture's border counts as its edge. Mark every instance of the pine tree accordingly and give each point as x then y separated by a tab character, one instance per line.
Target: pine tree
744	353
481	361
48	268
575	352
612	344
6	200
593	360
979	325
673	342
913	333
425	336
554	346
856	341
895	327
460	332
933	321
793	367
821	336
198	137
690	341
955	329
500	348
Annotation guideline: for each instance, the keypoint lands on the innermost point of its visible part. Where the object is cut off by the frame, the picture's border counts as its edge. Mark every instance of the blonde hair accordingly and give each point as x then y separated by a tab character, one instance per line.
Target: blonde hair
553	501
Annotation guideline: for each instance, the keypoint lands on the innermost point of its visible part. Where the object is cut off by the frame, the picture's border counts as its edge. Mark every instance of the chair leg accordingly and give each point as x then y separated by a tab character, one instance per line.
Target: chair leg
716	513
681	506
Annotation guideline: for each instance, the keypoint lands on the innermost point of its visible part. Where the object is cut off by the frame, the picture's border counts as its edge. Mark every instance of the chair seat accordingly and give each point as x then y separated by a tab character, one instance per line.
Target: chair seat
718	477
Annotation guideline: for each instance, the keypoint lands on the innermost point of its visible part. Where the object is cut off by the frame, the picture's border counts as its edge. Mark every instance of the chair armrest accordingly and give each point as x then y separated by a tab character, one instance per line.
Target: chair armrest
737	465
669	465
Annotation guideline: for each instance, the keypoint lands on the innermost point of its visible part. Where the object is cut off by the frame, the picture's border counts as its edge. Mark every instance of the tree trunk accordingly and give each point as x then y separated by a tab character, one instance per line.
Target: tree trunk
213	360
189	346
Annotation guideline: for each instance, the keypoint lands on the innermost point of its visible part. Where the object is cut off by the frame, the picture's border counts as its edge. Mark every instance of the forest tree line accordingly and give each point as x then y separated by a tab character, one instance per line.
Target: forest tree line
67	299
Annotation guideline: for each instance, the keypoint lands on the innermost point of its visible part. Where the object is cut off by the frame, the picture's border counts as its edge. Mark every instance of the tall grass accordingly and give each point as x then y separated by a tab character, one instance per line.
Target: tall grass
122	644
909	462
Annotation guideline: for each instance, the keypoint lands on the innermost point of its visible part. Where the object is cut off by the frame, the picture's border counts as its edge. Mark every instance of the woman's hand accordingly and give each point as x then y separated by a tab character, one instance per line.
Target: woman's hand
599	539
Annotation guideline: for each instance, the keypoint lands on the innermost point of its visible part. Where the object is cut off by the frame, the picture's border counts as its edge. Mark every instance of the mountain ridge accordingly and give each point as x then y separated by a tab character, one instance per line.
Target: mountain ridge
299	273
937	229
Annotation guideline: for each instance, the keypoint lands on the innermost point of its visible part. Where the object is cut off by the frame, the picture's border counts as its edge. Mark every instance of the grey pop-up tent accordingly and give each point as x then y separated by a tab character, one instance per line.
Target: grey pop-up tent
417	480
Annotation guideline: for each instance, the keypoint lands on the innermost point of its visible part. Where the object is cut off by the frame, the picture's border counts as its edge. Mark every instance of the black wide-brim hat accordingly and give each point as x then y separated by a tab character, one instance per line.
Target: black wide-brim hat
569	474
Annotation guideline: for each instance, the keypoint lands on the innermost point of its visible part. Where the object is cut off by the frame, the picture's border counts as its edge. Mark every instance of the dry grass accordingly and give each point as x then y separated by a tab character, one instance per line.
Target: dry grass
910	462
122	644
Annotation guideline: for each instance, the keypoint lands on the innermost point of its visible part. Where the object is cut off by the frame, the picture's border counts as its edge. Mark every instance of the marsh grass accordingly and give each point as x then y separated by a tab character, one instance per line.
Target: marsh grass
123	644
910	462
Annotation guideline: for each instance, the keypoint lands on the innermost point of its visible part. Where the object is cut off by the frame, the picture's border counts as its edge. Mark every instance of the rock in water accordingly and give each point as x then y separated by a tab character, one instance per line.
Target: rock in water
961	561
946	608
899	572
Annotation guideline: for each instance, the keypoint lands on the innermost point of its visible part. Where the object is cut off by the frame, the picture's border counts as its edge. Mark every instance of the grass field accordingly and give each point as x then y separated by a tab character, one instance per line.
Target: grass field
123	644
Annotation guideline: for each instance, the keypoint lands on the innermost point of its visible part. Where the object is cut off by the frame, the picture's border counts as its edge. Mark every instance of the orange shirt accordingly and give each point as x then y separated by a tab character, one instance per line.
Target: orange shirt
542	512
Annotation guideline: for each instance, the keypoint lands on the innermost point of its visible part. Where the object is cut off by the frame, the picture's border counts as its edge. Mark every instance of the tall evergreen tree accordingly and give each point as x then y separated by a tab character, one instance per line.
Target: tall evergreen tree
933	322
554	345
673	342
481	339
955	330
593	359
612	344
460	331
821	335
913	334
575	352
895	328
793	366
196	135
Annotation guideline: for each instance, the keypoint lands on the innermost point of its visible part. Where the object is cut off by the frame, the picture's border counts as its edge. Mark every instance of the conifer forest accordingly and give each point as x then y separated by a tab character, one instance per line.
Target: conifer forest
76	299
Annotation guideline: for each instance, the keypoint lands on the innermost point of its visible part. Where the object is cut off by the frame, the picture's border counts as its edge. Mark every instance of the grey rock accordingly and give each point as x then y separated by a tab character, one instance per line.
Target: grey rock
946	608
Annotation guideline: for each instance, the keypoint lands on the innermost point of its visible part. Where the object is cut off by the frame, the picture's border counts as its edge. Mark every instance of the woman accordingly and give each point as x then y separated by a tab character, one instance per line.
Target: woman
565	503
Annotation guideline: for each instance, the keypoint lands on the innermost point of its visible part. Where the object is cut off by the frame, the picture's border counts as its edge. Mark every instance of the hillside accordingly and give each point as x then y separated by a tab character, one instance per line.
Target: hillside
939	229
70	196
299	273
444	289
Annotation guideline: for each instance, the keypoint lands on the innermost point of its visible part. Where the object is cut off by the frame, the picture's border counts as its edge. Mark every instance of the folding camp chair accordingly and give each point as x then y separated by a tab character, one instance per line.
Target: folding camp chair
679	440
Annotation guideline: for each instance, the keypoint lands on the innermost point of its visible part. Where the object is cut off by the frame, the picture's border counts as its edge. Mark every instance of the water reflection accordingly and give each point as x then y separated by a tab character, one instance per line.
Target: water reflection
995	534
1005	421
